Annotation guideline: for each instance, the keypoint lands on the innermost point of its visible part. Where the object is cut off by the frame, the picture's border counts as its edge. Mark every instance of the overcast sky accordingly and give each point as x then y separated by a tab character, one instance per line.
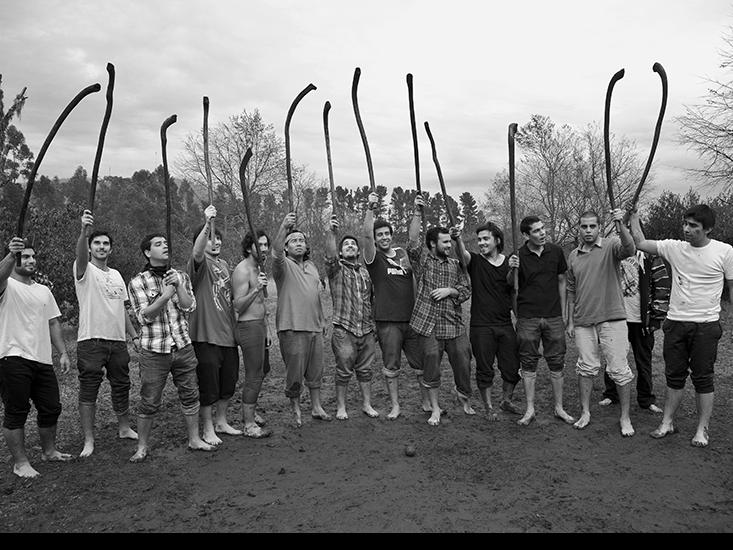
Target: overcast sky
477	66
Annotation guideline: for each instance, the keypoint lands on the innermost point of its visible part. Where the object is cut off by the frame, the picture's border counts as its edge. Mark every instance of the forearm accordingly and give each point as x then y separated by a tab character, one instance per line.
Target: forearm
562	291
199	245
463	255
185	298
151	311
242	302
413	233
82	253
57	338
570	306
6	268
331	251
278	244
627	241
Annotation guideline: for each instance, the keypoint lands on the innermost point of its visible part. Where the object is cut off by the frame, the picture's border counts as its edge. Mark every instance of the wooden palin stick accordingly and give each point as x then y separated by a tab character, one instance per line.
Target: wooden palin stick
607	141
415	148
166	181
297	99
513	205
248	211
362	133
102	135
32	176
451	219
207	166
326	109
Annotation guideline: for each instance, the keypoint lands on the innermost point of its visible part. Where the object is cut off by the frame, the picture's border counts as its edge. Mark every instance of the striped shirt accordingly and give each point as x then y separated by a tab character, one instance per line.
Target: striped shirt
170	327
442	319
351	292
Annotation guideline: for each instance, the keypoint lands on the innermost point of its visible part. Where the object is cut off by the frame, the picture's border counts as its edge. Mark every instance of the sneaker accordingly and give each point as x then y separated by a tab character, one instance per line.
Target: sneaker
605	402
653	408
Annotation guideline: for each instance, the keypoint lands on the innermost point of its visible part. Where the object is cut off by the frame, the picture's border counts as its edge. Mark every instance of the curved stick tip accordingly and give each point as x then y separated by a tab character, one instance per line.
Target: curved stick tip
657	68
409	78
96	87
327	106
206	100
110	67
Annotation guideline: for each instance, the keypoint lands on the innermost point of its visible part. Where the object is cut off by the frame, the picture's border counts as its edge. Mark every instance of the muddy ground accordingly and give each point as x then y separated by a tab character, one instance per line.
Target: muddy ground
468	474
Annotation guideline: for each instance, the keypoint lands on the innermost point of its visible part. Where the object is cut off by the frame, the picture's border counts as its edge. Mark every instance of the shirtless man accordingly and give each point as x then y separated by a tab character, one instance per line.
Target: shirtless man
29	324
248	282
103	322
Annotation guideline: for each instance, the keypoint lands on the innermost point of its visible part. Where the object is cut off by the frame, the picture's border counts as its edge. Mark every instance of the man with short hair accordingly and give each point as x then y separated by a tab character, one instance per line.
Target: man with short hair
249	282
352	340
29	324
162	298
212	330
596	313
540	313
103	323
394	298
442	286
299	319
491	332
692	329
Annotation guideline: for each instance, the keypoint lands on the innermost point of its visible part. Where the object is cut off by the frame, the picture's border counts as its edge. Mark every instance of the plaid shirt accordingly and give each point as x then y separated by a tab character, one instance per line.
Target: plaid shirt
442	319
170	326
351	291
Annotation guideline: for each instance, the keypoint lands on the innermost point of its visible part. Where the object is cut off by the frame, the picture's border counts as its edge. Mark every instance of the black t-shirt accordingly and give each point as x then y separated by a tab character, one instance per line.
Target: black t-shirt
394	291
491	297
538	293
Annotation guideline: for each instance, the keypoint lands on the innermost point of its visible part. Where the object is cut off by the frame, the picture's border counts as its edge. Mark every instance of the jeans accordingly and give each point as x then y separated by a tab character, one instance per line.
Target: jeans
498	342
217	372
394	338
251	337
302	353
353	354
459	355
642	346
154	369
690	348
22	380
551	332
611	338
96	354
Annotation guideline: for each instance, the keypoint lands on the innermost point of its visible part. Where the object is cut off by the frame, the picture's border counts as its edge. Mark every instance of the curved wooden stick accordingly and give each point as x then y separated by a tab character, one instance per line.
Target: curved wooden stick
451	219
102	135
207	166
247	211
32	176
513	204
362	133
326	109
657	68
297	99
166	181
607	140
415	148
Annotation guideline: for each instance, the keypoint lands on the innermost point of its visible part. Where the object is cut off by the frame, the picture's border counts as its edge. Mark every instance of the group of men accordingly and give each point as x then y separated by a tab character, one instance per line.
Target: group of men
609	293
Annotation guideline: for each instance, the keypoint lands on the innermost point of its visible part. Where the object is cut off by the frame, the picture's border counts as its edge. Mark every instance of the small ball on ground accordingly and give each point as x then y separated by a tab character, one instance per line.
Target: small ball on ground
409	450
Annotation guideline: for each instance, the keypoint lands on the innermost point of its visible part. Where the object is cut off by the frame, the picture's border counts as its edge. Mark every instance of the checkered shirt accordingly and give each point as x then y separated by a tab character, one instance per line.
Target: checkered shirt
170	326
442	319
351	292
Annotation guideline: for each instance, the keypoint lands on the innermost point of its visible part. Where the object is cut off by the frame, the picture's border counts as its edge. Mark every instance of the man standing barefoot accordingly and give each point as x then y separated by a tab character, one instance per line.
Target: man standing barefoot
596	313
353	327
161	299
212	331
101	342
29	324
394	298
248	282
692	329
492	334
299	318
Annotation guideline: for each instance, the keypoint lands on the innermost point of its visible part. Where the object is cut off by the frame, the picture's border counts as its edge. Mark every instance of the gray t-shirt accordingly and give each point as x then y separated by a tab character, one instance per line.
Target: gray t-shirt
213	319
298	295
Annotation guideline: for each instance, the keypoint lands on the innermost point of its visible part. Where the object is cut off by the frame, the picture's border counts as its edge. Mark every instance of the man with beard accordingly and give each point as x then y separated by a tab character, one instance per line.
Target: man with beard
394	298
212	330
103	322
596	313
692	329
299	319
161	299
29	324
442	286
249	282
540	313
492	334
352	340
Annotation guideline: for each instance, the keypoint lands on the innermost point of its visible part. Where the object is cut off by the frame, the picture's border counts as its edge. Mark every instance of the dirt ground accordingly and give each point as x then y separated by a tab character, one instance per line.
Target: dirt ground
468	474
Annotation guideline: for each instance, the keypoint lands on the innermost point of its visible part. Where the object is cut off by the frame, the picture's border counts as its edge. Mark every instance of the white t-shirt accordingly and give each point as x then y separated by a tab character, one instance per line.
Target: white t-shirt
698	275
102	296
25	311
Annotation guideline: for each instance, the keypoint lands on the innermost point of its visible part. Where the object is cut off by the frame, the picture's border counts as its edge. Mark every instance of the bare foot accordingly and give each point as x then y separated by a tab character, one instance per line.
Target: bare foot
508	406
341	414
627	430
426	406
139	456
701	438
295	409
491	416
127	433
56	456
201	445
663	431
259	420
211	438
582	422
467	408
320	414
256	432
370	411
87	450
25	470
394	413
434	419
527	419
226	429
565	417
